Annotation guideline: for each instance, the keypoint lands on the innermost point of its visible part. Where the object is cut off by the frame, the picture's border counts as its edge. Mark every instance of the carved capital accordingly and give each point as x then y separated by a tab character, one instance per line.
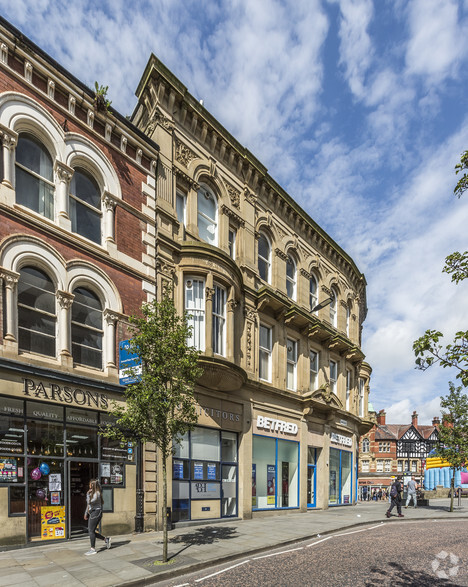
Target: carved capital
250	314
10	278
110	316
64	173
109	202
65	299
209	292
232	305
9	138
165	267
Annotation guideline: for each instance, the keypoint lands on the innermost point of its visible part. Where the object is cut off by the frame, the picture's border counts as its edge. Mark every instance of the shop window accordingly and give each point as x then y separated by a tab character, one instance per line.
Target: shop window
85	206
41	493
340	480
232	243
34	176
11	469
333	375
81	442
275	473
313	295
11	428
45	438
291	369
17	500
265	349
365	445
207	216
204	475
86	328
37	318
195	308
311	476
219	320
291	278
264	258
314	360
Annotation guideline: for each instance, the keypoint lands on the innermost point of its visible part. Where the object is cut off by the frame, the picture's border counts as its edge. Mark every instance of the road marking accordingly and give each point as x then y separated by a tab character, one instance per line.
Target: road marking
362	530
223	571
319	541
255	558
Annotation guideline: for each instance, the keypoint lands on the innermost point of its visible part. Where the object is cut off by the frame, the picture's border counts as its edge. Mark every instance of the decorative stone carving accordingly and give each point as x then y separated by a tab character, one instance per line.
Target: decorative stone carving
249	345
65	299
250	197
183	154
109	203
108	131
110	316
234	196
71	104
305	273
64	173
186	179
166	268
9	140
139	155
233	216
10	278
28	71
158	118
51	89
251	314
90	118
4	53
209	292
232	305
123	144
281	254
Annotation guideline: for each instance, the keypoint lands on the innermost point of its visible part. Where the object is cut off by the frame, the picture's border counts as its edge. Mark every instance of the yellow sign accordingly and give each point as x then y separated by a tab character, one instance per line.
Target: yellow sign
52	522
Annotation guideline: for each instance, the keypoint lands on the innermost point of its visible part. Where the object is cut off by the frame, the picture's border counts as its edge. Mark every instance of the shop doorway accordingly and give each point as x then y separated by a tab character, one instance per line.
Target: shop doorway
80	474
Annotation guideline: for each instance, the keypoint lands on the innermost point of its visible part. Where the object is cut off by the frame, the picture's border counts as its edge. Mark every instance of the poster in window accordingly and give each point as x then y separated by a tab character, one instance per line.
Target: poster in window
254	484
198	470
178	470
52	522
55	498
271	469
55	482
211	471
116	477
8	470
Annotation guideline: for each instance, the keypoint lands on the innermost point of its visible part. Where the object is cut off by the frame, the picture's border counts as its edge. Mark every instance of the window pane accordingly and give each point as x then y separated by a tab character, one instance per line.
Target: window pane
31	154
85	188
265	337
229	447
81	442
289	471
86	328
11	434
85	221
181	449
263	247
205	444
263	472
45	438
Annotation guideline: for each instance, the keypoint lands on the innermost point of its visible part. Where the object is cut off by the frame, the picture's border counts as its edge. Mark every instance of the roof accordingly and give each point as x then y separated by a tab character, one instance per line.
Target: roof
396	431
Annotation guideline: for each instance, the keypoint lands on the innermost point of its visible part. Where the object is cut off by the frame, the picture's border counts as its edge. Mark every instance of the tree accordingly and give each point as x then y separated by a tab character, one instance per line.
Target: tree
453	432
160	407
427	348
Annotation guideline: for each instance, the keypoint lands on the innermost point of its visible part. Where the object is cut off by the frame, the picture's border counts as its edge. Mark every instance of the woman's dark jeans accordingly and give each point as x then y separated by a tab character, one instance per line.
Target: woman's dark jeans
94	517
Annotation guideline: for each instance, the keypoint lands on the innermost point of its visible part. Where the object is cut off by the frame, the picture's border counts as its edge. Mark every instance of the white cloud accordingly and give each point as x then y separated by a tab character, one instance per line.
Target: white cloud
438	41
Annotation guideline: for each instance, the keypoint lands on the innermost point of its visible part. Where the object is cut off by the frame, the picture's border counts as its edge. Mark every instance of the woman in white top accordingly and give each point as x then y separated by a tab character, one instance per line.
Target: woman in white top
93	513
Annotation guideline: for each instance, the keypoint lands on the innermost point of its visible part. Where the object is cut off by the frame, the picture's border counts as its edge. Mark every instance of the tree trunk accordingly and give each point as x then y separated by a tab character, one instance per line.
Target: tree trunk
164	512
452	490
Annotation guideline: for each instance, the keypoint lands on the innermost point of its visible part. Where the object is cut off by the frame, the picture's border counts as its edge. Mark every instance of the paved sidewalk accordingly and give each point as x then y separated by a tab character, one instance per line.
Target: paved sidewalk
130	561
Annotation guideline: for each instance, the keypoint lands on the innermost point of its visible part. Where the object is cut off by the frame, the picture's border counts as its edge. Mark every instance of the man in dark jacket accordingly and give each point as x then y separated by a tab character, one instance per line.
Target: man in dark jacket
395	494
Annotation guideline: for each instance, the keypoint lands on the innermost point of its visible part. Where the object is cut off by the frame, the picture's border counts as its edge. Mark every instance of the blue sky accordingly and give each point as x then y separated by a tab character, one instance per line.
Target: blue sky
357	108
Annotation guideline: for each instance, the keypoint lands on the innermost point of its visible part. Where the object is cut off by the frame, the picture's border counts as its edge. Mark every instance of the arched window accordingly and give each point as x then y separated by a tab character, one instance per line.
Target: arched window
313	295
291	277
333	308
34	176
86	328
207	216
264	257
37	317
348	318
365	445
85	205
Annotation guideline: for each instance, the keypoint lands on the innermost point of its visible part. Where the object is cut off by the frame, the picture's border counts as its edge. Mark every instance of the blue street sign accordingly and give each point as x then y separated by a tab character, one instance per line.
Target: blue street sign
128	360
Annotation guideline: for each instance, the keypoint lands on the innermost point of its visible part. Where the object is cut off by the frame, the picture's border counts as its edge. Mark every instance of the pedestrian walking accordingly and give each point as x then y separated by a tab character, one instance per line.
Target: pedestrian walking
93	513
395	496
412	487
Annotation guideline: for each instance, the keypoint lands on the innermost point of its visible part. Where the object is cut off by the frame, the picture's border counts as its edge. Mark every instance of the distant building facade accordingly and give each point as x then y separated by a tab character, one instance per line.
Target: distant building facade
388	450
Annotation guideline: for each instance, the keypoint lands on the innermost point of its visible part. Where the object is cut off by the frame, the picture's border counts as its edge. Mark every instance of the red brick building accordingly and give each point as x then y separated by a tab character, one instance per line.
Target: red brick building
388	450
77	257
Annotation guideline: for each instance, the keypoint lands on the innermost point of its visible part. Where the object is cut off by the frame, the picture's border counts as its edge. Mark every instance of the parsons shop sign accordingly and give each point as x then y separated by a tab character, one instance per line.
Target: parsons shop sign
65	395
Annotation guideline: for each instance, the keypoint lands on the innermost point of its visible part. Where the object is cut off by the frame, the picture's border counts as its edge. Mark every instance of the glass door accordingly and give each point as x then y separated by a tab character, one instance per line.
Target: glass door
311	486
80	474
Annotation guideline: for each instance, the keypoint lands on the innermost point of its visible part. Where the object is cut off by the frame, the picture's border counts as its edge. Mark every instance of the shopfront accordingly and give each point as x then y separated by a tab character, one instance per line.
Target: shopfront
49	451
205	466
275	463
340	463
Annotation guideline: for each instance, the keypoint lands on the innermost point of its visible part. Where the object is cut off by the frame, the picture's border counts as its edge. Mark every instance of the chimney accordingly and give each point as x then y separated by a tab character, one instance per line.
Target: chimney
414	419
435	421
381	417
